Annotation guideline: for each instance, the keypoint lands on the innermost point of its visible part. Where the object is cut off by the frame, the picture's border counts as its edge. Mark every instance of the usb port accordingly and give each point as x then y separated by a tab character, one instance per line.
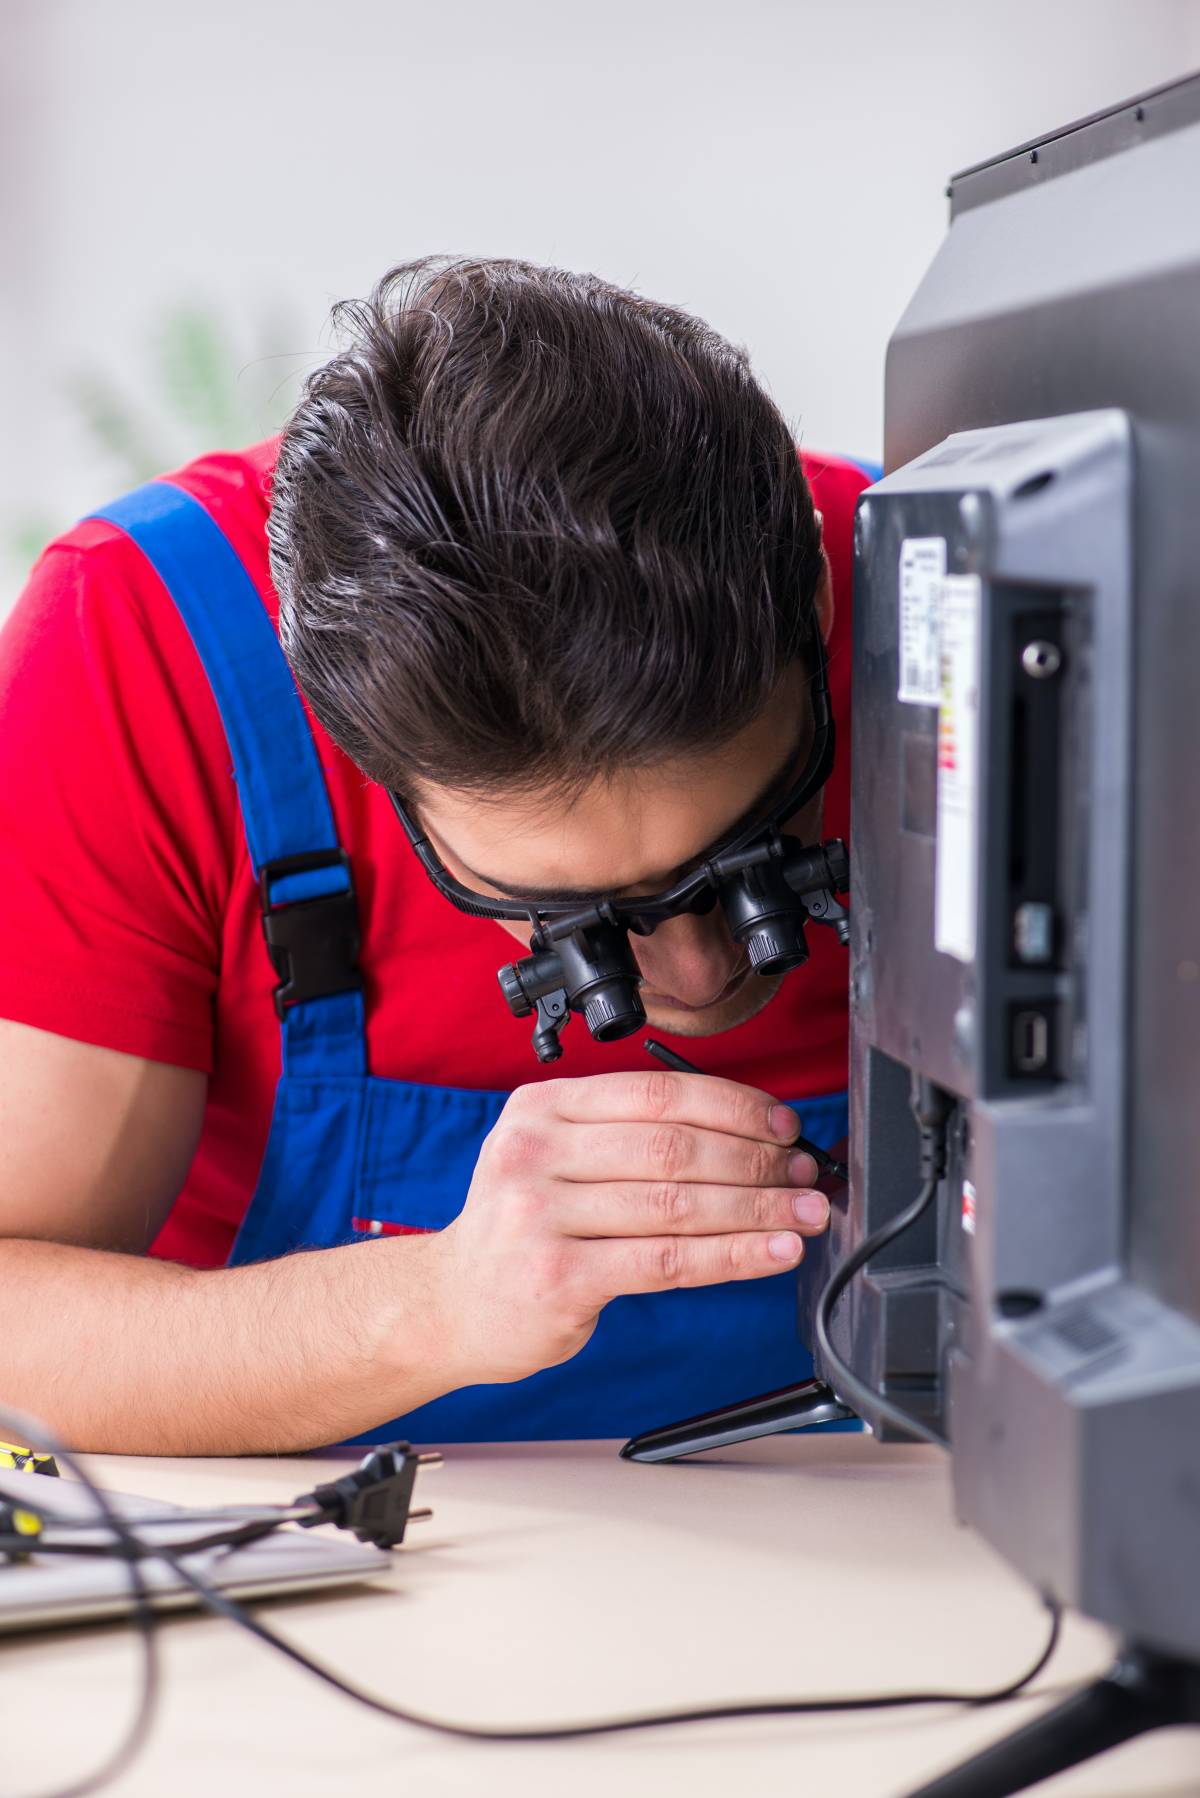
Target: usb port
1030	1042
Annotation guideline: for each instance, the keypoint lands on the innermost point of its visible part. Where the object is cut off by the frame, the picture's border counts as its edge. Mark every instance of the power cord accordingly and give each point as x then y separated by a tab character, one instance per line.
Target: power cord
373	1502
224	1606
931	1109
128	1544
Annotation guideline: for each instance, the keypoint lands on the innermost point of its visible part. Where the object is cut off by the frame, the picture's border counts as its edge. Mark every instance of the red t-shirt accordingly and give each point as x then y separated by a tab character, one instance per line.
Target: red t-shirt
130	914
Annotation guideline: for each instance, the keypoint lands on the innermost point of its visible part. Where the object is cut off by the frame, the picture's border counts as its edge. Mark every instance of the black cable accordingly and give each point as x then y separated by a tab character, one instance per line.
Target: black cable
132	1548
223	1606
140	1548
21	1428
845	1382
932	1107
223	1514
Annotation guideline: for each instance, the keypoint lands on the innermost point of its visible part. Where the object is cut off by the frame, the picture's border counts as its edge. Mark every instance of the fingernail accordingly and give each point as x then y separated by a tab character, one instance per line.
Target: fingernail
811	1208
785	1123
785	1246
802	1169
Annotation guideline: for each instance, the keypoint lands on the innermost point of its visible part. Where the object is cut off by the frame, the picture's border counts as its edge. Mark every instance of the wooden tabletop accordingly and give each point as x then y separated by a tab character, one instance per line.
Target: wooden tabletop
556	1582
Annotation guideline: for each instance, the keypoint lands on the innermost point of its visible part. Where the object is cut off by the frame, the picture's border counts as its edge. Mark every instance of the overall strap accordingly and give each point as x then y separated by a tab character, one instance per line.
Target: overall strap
872	470
310	917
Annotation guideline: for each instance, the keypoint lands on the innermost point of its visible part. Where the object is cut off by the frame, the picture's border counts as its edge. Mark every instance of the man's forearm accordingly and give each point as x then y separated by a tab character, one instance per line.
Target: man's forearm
132	1355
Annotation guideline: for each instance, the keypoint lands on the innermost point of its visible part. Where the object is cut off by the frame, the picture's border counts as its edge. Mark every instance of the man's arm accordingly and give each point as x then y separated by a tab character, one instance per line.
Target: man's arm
127	1354
585	1189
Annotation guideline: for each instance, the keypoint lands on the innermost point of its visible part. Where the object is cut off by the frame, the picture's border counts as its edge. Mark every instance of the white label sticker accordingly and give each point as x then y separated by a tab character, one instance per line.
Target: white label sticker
922	571
957	768
968	1208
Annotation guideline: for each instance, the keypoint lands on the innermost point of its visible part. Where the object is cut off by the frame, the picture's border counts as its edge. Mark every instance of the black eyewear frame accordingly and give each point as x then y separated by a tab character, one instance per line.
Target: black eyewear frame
766	883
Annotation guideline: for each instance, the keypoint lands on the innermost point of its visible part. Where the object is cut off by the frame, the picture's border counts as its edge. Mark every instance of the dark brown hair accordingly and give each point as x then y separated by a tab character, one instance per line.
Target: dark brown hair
528	528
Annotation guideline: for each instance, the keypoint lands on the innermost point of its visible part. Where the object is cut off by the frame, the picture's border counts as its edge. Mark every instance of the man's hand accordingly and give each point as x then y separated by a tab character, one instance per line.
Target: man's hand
618	1183
585	1189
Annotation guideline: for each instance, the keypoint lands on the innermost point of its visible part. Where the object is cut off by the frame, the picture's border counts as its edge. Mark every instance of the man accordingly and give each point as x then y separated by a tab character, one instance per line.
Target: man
546	568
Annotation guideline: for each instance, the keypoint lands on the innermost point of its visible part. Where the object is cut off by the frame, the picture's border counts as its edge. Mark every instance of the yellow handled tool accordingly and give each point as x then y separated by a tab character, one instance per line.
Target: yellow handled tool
26	1460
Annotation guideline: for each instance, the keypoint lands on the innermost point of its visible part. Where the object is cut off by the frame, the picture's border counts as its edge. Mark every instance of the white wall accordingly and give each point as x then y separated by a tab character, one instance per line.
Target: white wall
777	167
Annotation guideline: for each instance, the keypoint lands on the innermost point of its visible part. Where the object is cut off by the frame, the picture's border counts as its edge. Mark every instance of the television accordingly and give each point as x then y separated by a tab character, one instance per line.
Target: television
1025	853
1025	912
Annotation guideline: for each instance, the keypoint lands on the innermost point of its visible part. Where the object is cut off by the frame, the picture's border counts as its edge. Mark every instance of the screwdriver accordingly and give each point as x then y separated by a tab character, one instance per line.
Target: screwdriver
826	1163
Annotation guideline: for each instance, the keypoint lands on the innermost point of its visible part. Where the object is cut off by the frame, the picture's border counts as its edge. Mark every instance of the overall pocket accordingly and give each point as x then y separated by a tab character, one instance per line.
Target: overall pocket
419	1149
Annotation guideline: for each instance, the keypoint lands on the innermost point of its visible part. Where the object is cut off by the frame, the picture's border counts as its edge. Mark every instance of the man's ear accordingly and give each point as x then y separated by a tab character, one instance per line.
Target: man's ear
823	599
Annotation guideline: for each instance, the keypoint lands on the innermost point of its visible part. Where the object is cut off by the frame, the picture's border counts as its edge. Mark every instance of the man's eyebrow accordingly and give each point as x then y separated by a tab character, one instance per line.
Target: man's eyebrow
547	895
585	895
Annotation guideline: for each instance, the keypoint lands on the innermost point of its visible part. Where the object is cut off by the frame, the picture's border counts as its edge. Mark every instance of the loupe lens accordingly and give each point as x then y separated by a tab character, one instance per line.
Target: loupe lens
775	950
765	915
601	979
614	1010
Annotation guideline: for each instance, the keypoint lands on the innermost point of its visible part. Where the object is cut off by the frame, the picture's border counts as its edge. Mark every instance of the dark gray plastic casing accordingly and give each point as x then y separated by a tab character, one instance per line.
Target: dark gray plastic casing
1043	422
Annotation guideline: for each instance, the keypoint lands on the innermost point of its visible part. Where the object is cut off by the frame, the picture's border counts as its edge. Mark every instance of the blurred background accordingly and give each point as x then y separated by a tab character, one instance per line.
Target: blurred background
187	188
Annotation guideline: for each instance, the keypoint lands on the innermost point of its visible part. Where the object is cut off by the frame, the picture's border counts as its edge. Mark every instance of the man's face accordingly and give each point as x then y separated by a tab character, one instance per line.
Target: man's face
636	833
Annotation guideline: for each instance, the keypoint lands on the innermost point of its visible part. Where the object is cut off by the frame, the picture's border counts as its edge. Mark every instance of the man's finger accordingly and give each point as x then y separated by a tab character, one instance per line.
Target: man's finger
661	1095
592	1153
662	1263
677	1207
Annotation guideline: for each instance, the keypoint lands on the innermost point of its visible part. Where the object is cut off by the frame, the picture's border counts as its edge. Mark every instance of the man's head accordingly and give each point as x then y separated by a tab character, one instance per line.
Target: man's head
548	567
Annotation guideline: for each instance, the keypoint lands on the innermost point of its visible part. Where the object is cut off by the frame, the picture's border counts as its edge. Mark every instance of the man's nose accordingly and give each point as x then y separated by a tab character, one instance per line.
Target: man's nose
690	958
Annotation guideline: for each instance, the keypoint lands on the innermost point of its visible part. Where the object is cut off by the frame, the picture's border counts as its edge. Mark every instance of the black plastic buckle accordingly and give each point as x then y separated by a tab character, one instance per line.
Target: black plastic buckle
313	943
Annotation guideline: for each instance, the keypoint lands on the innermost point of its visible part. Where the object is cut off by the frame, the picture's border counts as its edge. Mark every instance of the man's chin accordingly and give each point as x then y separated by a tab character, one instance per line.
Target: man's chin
755	993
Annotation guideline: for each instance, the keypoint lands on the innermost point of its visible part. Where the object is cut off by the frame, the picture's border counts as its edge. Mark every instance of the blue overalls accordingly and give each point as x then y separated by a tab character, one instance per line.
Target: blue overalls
345	1144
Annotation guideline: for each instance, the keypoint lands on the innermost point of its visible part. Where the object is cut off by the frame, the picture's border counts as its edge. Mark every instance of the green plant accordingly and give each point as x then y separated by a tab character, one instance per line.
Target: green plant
204	389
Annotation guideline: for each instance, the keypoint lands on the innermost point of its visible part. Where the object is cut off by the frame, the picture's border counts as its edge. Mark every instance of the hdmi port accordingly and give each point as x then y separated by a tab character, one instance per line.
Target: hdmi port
1030	1042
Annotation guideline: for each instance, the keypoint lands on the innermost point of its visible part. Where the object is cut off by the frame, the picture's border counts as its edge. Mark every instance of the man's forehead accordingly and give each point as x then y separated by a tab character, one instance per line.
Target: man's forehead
633	835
